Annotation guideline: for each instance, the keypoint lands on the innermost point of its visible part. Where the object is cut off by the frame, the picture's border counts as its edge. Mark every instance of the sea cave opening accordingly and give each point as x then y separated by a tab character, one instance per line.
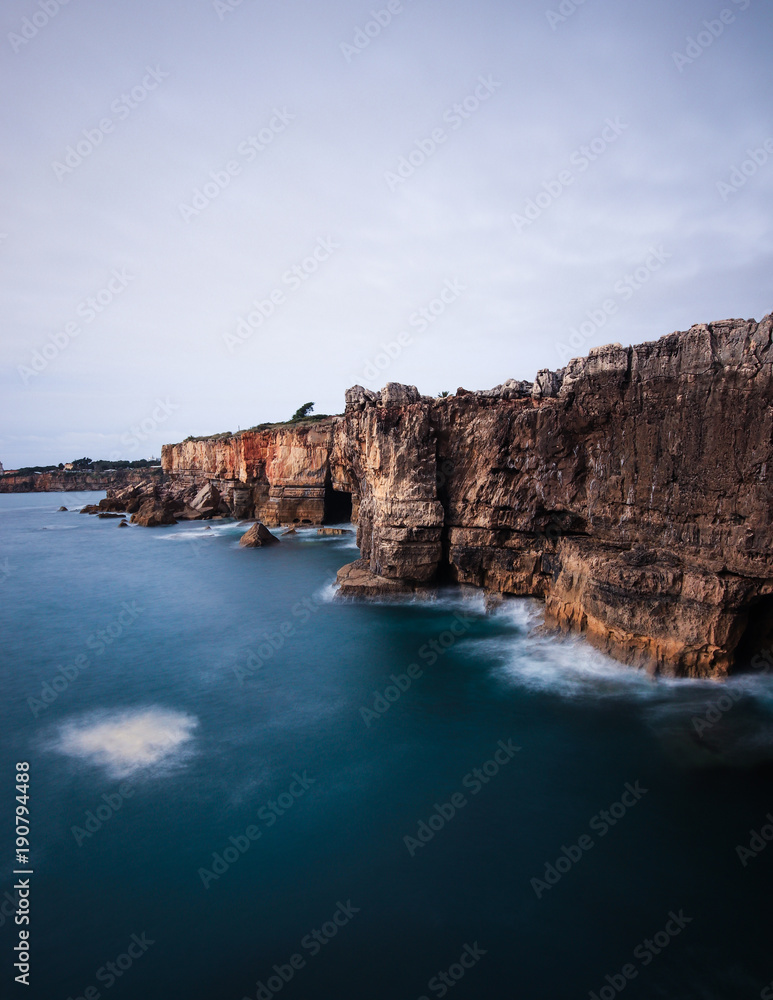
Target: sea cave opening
755	647
338	506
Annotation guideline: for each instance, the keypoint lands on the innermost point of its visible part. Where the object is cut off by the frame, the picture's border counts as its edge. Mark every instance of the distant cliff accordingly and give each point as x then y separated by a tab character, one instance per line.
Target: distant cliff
76	481
631	490
281	475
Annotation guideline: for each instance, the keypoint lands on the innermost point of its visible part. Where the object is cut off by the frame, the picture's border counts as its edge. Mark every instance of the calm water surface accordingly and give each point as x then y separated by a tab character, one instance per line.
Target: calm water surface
225	774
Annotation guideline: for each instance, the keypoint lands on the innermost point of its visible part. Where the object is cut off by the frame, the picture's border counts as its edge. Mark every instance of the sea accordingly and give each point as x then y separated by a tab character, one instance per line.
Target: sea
237	785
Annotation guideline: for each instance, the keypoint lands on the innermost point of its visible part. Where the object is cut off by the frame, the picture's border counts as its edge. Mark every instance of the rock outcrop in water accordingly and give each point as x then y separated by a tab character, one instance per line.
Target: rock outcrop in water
257	536
630	490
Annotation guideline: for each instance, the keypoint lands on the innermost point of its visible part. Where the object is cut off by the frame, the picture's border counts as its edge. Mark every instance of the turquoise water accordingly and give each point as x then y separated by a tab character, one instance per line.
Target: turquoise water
222	692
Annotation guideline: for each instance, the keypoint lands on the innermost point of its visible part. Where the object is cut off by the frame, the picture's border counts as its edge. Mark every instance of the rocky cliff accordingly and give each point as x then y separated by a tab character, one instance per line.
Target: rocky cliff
73	481
279	476
630	490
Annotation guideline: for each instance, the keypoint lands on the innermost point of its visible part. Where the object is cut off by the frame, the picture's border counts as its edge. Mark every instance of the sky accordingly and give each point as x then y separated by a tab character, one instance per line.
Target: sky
214	211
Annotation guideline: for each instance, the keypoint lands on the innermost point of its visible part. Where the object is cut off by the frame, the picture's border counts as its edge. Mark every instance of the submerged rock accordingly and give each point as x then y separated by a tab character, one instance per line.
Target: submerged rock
333	531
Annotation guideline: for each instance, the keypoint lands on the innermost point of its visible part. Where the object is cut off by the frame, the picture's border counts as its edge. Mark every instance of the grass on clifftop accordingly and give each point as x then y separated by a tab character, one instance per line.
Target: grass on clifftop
262	427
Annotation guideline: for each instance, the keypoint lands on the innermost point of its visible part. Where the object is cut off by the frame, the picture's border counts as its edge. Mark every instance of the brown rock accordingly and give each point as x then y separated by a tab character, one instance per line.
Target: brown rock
257	535
152	514
333	531
206	501
356	580
62	508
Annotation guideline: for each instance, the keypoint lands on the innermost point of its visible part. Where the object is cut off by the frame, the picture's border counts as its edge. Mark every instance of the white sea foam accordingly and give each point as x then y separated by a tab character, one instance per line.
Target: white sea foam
327	593
566	665
129	741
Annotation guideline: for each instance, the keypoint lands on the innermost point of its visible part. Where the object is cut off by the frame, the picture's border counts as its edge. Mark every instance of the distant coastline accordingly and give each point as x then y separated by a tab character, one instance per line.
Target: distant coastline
77	480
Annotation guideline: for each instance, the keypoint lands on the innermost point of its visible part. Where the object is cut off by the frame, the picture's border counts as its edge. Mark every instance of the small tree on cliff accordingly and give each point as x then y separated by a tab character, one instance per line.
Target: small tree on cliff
302	411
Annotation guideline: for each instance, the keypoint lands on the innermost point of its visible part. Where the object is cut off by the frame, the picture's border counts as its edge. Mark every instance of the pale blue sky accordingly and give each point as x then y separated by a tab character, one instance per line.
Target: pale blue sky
314	132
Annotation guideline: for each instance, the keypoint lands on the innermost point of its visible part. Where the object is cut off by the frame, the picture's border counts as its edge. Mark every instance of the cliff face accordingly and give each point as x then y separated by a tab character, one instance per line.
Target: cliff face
278	476
631	490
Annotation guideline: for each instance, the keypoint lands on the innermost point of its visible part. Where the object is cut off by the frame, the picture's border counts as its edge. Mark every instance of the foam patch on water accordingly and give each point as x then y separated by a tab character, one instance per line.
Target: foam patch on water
187	536
130	741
